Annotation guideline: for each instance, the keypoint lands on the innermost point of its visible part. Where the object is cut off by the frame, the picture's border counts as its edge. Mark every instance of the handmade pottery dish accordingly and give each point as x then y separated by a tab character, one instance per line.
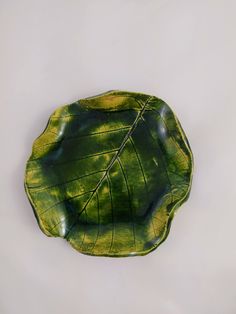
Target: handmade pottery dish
109	172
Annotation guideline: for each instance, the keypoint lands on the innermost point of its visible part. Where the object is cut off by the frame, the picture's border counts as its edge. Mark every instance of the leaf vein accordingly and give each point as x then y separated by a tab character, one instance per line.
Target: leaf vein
162	153
38	188
144	178
67	199
69	138
98	211
129	196
112	211
73	160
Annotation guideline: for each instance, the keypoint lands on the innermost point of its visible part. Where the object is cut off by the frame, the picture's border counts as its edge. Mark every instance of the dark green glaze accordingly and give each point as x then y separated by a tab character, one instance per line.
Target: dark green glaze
109	172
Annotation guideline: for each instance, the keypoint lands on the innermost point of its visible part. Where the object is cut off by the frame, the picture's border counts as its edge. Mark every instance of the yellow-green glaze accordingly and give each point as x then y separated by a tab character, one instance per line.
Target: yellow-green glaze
108	173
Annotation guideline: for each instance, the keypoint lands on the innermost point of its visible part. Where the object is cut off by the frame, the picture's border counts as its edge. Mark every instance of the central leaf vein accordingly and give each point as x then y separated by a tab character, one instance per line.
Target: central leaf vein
127	136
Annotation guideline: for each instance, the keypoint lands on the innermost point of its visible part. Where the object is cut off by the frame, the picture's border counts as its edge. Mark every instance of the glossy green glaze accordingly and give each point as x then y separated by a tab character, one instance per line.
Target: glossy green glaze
109	172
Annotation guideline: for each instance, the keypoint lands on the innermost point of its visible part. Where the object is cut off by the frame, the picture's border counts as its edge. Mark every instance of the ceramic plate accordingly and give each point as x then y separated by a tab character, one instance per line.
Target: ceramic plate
108	173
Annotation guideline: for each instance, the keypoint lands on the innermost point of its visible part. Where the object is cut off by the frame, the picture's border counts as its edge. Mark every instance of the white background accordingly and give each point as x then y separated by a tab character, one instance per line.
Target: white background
184	51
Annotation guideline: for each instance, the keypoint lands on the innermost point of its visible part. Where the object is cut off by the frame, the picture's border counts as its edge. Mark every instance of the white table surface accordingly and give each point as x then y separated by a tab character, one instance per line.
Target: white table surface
55	52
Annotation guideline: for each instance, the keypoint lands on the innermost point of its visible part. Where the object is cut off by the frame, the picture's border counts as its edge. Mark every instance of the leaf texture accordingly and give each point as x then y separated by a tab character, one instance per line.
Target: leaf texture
109	172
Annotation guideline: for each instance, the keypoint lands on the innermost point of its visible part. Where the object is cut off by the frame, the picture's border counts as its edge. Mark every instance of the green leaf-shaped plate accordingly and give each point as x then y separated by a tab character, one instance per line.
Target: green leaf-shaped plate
109	172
